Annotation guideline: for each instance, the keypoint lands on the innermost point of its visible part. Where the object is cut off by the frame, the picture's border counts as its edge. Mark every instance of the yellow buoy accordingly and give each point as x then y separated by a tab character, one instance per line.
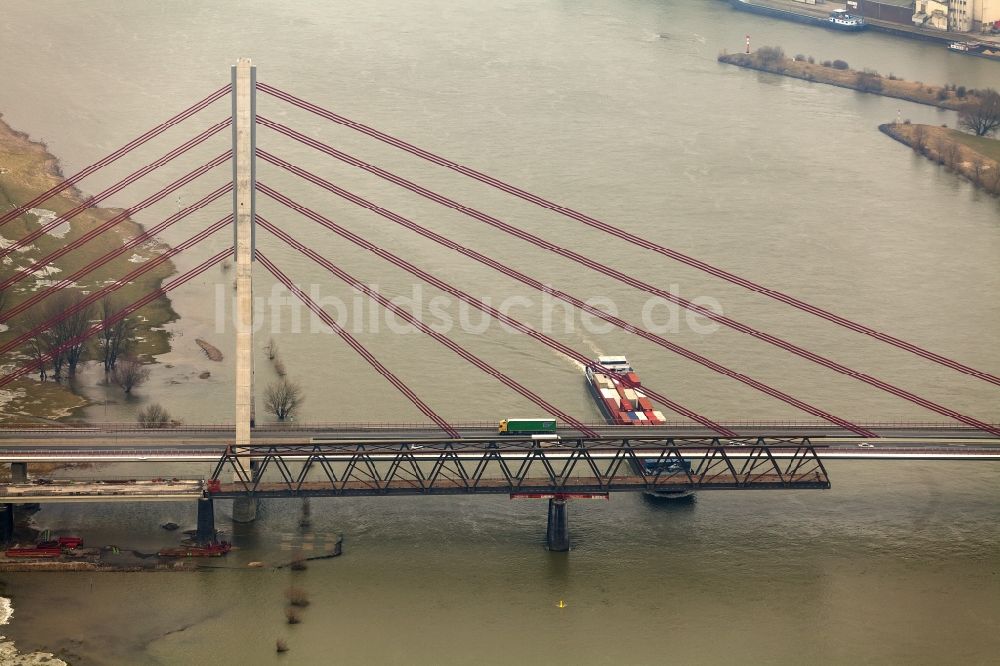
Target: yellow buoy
561	604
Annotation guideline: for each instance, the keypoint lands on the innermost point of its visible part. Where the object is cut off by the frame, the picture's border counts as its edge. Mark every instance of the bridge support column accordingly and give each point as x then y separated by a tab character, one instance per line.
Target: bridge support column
6	523
245	508
206	521
19	472
244	77
557	532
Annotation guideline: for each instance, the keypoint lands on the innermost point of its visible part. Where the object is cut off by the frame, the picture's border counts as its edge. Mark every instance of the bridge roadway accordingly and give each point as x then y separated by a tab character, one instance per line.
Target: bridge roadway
197	450
15	433
381	466
128	443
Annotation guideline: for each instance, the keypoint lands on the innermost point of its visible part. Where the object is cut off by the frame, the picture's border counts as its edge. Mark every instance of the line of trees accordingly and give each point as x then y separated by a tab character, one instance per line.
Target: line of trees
62	348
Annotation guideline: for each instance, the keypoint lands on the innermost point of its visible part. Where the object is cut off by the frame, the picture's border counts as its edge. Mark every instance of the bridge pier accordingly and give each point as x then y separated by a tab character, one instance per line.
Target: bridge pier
19	472
557	531
206	521
245	508
6	523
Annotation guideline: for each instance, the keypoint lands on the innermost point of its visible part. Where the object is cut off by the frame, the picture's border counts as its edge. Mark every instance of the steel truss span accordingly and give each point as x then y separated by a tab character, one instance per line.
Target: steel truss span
511	466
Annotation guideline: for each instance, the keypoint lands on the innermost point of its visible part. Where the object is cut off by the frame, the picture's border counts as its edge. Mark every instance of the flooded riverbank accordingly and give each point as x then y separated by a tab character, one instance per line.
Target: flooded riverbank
619	109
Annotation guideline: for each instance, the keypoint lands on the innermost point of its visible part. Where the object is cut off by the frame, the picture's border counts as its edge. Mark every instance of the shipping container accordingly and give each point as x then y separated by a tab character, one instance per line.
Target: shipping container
646	404
527	426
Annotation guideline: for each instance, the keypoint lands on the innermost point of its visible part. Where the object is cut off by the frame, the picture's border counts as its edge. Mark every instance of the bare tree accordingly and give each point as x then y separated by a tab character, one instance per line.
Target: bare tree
282	398
129	373
769	55
43	343
981	115
869	81
951	153
71	330
37	349
919	138
64	340
978	169
153	416
992	179
118	338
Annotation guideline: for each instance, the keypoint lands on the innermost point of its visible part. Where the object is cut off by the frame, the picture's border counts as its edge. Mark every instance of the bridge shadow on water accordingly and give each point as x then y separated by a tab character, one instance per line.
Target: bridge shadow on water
670	504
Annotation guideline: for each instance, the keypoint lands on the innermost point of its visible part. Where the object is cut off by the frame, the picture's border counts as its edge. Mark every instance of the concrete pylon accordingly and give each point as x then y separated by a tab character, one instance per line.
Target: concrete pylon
206	521
557	530
244	200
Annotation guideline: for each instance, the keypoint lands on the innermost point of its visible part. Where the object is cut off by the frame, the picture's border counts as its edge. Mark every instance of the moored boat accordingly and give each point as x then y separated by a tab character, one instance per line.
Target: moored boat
33	551
837	20
841	19
987	50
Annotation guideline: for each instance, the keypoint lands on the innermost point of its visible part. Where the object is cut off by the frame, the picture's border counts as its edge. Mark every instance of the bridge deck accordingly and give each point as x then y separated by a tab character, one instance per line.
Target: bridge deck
581	484
102	490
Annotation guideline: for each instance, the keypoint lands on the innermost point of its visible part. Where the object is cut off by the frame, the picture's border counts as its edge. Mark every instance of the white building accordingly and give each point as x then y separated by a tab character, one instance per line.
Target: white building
972	15
931	14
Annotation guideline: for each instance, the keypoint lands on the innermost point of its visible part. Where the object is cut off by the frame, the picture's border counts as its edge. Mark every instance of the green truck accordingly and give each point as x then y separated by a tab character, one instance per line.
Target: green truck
527	427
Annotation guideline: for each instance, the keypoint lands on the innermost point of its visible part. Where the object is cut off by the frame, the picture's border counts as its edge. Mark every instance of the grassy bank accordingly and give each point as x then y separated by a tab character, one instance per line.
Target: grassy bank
27	169
838	73
975	158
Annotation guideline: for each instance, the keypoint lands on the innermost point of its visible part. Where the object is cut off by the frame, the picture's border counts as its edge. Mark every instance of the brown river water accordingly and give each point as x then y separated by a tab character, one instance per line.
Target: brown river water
617	108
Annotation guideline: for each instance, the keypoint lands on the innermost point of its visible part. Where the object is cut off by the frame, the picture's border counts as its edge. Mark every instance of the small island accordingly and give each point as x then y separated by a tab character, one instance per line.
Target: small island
838	73
971	154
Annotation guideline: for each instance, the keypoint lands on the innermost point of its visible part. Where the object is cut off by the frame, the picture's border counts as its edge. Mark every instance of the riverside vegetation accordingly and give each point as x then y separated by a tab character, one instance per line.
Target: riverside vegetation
973	157
971	154
838	73
26	169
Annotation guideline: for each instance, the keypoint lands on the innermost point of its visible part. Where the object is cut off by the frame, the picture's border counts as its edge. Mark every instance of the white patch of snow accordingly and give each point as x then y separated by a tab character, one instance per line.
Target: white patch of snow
138	259
46	270
46	216
5	243
41	283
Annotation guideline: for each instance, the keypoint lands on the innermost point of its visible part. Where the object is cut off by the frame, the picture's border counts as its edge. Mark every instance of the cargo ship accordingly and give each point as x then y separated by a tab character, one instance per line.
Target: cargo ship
990	51
621	404
629	406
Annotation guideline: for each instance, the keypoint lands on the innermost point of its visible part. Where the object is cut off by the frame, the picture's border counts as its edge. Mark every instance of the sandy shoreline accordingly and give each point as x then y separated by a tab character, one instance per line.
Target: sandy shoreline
9	655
